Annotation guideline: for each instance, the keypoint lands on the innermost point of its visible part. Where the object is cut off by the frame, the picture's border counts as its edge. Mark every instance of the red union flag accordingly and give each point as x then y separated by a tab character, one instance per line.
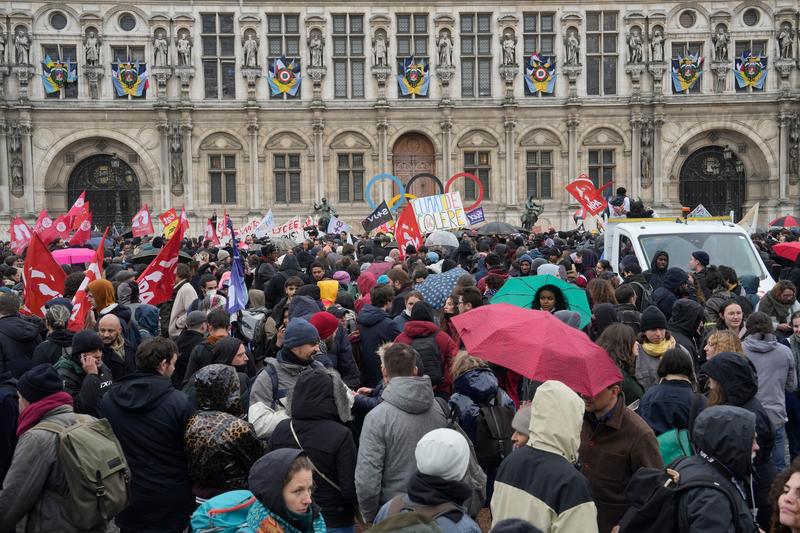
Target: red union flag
406	230
168	217
211	233
84	231
44	279
583	190
45	227
80	302
62	227
142	224
155	283
79	208
20	235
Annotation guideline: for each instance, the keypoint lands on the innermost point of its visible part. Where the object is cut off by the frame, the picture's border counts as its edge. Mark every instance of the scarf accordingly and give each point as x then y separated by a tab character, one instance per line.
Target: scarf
774	308
431	490
657	350
287	356
259	518
35	411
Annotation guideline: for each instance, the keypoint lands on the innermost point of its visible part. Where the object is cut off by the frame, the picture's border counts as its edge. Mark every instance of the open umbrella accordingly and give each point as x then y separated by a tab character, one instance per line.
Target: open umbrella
147	256
787	221
442	238
283	244
379	267
538	346
71	256
497	228
437	287
787	250
520	292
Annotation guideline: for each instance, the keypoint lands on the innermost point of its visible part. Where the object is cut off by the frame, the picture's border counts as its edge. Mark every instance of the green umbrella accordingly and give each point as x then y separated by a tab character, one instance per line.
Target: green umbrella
520	292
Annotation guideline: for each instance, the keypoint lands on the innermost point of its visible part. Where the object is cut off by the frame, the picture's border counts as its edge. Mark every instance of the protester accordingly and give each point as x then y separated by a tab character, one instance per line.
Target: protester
674	286
654	341
191	336
218	323
376	327
18	337
731	318
86	378
337	352
686	325
698	266
410	298
658	269
719	293
722	340
59	339
779	304
118	352
231	351
785	499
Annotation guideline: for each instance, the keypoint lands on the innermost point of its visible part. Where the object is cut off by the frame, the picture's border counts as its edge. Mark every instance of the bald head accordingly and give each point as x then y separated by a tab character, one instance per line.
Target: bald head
109	329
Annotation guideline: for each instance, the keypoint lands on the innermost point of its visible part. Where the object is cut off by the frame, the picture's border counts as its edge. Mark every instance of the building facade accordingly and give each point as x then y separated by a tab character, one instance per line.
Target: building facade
245	106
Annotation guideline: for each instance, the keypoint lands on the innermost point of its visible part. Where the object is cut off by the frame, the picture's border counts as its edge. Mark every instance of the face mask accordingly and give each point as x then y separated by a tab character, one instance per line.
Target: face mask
211	292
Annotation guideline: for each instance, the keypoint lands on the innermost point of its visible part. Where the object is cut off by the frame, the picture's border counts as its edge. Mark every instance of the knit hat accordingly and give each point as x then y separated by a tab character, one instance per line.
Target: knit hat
342	277
86	341
222	255
432	257
653	318
298	332
66	302
522	420
701	256
422	311
383	279
195	318
39	382
326	324
443	453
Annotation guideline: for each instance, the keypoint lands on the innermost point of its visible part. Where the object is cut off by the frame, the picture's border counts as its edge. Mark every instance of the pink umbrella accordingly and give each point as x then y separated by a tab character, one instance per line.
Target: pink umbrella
71	256
378	268
537	345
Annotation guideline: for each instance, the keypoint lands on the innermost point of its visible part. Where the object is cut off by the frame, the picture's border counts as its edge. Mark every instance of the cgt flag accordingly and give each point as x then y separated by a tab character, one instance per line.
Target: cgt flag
157	280
380	216
407	230
78	208
211	233
591	199
80	302
43	277
20	235
84	231
142	224
45	228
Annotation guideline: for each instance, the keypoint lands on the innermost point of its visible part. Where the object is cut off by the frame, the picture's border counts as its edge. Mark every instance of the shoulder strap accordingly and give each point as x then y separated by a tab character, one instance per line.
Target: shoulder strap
313	466
272	372
398	504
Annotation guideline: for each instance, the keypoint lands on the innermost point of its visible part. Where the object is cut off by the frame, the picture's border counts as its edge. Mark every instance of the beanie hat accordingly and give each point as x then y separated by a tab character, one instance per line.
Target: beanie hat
653	318
298	332
39	382
701	256
411	249
342	277
85	341
383	279
443	453
222	255
522	420
326	324
432	257
422	311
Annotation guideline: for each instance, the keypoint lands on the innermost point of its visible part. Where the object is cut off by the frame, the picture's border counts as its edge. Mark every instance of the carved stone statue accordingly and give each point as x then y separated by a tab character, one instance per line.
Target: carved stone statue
160	50
176	155
785	40
645	159
91	47
445	47
721	40
794	160
22	47
316	47
531	214
184	46
635	46
250	49
2	48
326	211
657	46
14	138
17	182
509	43
379	56
573	45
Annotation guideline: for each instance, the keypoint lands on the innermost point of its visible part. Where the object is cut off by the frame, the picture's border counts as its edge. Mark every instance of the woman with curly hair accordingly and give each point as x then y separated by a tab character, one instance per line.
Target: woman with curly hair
785	498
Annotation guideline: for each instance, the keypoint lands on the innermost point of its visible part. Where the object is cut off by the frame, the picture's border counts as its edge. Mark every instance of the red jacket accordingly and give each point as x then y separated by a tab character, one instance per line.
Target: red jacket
448	348
502	272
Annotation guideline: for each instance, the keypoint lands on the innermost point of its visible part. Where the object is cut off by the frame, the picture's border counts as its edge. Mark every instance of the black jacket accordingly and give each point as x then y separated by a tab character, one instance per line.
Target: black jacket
86	389
58	343
9	413
665	296
638	284
266	271
328	443
274	290
149	418
376	328
669	405
18	340
340	358
655	276
687	315
186	342
120	367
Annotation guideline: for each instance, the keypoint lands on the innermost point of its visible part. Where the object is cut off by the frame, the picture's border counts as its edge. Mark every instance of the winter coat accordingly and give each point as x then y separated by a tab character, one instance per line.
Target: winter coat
340	358
472	390
611	451
647	367
220	446
149	418
638	284
447	348
376	328
726	434
33	491
388	440
365	283
655	276
120	366
186	342
266	271
57	343
683	325
326	440
779	313
665	296
774	365
86	389
668	405
499	271
18	340
9	413
715	302
539	482
275	289
184	297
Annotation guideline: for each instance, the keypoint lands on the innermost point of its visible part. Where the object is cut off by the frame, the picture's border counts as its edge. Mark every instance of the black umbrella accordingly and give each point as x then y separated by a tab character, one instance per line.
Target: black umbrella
148	255
497	228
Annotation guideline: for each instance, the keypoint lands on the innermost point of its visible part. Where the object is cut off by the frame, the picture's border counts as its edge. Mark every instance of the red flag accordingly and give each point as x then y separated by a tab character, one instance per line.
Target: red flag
211	233
45	228
44	279
84	231
80	302
80	207
142	224
184	220
157	280
407	230
62	227
20	235
583	190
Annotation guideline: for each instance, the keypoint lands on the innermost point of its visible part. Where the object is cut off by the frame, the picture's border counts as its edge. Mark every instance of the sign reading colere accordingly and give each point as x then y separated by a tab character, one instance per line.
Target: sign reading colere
440	212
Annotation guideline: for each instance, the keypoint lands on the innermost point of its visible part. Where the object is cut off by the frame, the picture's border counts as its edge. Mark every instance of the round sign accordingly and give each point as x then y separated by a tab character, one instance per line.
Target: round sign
396	197
423	175
384	176
469	176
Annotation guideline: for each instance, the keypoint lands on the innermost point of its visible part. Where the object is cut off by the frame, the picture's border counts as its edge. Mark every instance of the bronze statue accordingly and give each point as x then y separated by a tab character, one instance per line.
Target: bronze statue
326	210
531	214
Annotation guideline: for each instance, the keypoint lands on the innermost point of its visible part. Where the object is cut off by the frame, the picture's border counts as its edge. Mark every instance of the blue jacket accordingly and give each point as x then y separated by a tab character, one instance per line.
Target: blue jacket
472	390
376	327
668	405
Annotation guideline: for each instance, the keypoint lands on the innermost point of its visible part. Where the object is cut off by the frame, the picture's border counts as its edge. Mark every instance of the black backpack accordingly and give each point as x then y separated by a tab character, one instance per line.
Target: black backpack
493	433
431	357
647	295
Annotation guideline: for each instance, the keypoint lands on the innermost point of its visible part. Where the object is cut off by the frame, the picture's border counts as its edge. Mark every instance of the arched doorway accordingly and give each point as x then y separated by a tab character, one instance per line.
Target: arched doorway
713	176
413	154
112	189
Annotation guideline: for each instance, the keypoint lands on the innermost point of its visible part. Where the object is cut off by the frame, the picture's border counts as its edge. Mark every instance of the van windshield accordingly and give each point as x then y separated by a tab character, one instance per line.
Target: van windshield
728	249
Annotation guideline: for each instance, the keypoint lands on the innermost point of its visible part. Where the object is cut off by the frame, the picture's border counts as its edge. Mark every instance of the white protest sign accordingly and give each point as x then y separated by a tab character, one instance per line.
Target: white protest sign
440	212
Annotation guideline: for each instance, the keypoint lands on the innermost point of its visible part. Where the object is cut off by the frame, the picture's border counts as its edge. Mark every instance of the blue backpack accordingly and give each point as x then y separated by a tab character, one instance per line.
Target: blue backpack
224	513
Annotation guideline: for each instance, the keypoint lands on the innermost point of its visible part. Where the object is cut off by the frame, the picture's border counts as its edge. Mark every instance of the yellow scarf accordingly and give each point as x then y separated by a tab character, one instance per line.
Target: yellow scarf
657	350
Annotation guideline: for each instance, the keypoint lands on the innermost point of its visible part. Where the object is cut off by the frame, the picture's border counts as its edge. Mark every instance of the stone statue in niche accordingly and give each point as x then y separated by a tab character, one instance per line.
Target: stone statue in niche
160	49
2	48
509	43
250	49
91	48
22	48
646	162
379	57
721	40
17	181
176	155
184	46
635	43
785	40
573	45
657	46
445	47
316	47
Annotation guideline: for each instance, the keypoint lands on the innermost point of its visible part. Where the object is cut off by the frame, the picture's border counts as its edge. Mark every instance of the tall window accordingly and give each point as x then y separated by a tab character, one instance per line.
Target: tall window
412	40
538	36
756	48
66	54
601	52
477	163
128	54
602	167
222	177
539	173
287	178
476	54
219	50
683	49
348	56
351	177
283	39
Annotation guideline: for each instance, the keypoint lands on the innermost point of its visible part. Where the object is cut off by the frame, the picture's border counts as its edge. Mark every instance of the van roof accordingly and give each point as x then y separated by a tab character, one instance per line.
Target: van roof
659	227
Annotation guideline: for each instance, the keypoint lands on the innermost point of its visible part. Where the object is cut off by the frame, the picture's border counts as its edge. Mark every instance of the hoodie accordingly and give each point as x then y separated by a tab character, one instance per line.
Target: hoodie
665	296
656	275
302	307
687	315
447	348
147	318
365	282
18	340
774	364
275	290
57	344
376	328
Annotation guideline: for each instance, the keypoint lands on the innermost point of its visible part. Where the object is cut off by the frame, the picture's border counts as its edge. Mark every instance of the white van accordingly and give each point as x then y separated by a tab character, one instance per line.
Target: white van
725	242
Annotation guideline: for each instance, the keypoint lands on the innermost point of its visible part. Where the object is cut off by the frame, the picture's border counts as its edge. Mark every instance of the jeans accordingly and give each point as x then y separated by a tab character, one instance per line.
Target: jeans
779	453
348	529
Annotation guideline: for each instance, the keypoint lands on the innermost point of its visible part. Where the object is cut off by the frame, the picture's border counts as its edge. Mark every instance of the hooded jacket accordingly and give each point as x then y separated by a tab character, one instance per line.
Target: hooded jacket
86	389
376	327
147	318
149	418
472	390
340	357
687	315
656	275
715	302
18	340
447	348
57	343
302	307
275	287
365	283
539	482
321	431
388	440
774	366
220	446
665	296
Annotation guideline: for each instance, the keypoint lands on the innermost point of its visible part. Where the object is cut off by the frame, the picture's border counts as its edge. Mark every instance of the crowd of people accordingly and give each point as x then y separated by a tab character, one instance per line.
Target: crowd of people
342	399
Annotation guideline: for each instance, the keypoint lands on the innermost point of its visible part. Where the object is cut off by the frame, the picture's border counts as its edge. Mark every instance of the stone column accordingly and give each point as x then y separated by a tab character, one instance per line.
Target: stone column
511	180
27	164
636	156
188	167
164	168
572	139
784	123
383	155
318	128
255	178
447	138
5	205
658	164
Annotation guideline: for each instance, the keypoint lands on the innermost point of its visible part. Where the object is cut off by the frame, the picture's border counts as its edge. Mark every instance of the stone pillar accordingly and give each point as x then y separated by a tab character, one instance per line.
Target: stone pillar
658	164
27	164
383	155
447	138
255	178
636	156
572	139
5	205
511	180
163	183
784	123
188	167
318	128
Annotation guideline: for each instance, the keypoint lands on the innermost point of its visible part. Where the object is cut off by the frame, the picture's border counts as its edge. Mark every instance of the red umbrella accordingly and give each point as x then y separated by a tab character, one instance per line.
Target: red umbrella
381	267
538	346
787	250
787	221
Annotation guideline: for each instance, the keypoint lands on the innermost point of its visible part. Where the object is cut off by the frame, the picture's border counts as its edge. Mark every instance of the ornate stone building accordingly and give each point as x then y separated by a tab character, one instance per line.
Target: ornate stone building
246	106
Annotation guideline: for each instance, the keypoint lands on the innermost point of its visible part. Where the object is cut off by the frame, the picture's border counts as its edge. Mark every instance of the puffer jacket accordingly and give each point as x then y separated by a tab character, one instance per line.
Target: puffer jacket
376	327
447	348
57	343
472	390
220	446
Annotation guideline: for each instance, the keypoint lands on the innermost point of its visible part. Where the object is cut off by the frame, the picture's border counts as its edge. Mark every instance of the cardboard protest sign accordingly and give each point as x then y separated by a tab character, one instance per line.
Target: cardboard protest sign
440	212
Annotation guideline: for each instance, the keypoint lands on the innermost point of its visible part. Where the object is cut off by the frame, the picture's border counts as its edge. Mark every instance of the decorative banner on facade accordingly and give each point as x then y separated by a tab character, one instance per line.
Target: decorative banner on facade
336	226
414	78
377	218
142	224
44	278
407	231
440	212
540	74
284	76
476	216
56	74
750	70
583	190
129	79
686	71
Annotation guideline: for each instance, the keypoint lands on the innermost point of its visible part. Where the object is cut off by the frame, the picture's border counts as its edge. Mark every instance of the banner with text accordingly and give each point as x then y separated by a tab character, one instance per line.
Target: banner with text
476	216
380	216
584	191
440	212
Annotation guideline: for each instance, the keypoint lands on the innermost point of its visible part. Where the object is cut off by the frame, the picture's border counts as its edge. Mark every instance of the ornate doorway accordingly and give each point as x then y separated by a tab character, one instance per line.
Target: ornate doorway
413	153
112	190
713	176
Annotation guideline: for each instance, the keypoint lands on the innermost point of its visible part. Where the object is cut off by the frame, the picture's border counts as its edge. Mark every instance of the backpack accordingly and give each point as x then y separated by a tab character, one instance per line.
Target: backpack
398	505
95	470
630	317
165	310
431	357
647	296
655	500
224	513
493	433
676	443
